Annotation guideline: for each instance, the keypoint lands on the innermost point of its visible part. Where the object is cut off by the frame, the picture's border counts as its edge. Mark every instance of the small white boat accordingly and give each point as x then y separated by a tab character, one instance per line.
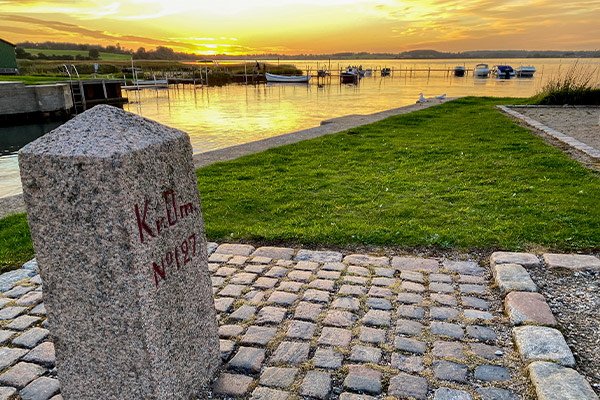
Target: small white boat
287	78
526	71
481	70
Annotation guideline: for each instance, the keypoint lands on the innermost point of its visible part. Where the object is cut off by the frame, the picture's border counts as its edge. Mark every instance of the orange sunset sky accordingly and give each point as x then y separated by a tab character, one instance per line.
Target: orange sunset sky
307	26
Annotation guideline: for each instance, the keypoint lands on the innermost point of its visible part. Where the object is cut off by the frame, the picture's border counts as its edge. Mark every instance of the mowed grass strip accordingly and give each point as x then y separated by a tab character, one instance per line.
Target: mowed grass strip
460	175
74	53
15	242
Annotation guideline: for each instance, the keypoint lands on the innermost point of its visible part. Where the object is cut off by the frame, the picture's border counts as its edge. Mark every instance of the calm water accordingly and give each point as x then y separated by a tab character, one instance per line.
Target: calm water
220	117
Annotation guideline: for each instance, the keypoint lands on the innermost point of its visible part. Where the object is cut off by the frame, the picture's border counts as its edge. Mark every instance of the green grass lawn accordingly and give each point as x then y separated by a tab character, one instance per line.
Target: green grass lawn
460	175
34	79
74	53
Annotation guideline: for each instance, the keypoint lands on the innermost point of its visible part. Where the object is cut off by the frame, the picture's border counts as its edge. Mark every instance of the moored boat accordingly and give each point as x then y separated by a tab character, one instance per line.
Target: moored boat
526	71
350	75
503	71
385	71
481	70
287	78
459	70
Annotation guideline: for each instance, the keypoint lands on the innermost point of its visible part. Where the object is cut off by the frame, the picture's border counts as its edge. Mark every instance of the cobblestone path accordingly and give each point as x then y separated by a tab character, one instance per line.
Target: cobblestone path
319	325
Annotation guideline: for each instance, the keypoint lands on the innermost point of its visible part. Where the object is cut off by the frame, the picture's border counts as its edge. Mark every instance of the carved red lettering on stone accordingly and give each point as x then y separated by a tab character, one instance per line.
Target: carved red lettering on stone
141	222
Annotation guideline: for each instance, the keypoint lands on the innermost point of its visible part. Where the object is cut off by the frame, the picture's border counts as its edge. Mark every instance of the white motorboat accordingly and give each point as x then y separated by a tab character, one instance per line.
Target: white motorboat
526	71
481	70
287	78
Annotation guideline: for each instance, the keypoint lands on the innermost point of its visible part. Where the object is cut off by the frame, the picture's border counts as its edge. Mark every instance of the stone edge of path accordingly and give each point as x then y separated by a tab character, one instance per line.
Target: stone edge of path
568	140
15	204
551	375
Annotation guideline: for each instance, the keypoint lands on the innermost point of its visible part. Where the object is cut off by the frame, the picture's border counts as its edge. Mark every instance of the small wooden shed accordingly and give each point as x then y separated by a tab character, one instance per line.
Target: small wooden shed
8	58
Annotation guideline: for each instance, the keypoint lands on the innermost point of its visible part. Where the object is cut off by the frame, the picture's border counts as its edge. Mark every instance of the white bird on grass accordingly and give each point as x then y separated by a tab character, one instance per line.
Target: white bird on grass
422	98
442	97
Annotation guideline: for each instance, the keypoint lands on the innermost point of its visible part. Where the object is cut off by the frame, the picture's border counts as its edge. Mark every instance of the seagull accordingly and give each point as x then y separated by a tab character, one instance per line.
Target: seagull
422	98
442	97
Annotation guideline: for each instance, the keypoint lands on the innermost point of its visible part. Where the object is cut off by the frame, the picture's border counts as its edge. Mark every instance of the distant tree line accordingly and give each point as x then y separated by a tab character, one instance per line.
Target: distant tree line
165	53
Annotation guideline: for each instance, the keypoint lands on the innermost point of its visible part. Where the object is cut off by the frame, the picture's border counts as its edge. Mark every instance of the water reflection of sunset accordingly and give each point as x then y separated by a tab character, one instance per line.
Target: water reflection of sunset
307	26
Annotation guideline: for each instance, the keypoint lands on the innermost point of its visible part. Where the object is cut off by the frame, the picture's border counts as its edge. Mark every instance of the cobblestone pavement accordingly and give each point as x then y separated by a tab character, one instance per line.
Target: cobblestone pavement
320	325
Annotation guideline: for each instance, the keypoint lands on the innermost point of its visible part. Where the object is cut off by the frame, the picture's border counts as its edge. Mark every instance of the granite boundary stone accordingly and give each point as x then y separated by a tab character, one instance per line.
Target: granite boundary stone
110	197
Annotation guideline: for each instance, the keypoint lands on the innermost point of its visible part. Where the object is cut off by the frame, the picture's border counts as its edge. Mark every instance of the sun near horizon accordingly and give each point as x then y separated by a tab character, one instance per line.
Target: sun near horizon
237	27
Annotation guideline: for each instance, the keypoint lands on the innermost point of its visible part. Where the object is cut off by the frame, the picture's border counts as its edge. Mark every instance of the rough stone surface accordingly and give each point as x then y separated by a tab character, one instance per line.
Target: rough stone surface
278	377
538	343
316	384
41	389
114	209
9	356
506	257
572	261
444	393
363	379
21	375
405	386
491	373
450	371
280	253
528	308
464	267
513	277
415	264
318	256
553	382
364	259
263	393
232	384
291	353
327	358
248	359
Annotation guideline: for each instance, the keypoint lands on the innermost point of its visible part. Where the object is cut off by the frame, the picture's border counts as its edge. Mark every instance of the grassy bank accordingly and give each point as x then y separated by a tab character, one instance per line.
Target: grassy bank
577	86
460	175
84	53
15	242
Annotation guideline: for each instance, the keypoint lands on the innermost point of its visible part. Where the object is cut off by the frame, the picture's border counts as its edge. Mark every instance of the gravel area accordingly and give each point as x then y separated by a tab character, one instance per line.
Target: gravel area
581	123
574	298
